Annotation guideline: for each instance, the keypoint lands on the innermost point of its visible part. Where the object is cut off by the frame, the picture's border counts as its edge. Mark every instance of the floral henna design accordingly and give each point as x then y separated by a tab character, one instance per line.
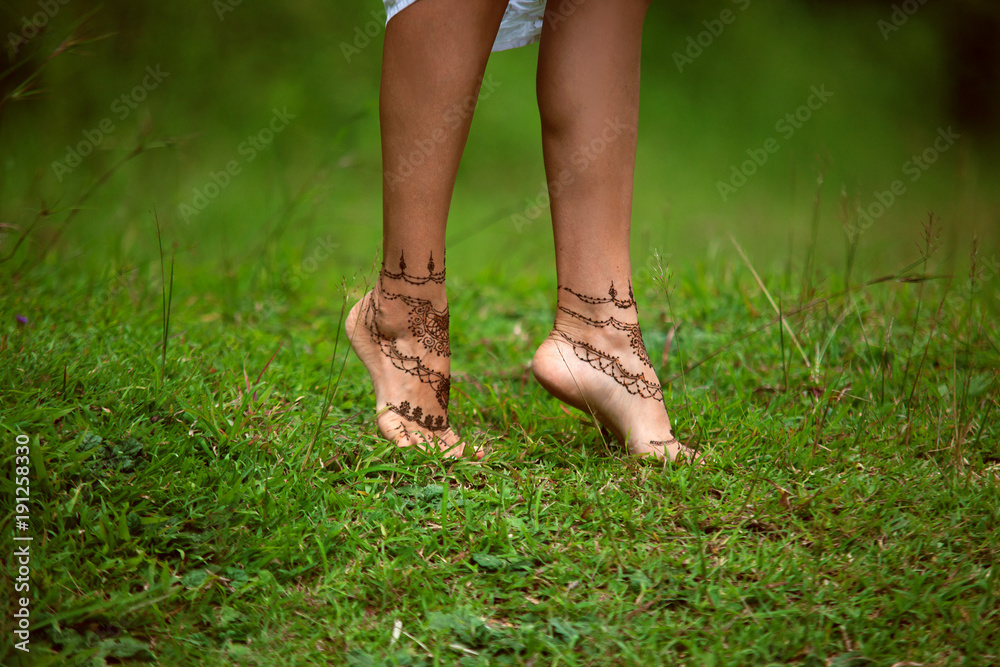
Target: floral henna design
416	415
612	297
411	365
633	331
433	277
635	384
428	324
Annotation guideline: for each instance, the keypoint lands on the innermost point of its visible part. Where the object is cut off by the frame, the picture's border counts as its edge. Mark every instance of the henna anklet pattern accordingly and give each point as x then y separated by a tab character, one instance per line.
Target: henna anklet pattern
432	277
609	364
612	297
633	331
430	327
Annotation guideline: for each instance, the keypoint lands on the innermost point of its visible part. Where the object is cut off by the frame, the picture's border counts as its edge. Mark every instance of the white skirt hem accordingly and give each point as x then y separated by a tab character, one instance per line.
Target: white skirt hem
522	23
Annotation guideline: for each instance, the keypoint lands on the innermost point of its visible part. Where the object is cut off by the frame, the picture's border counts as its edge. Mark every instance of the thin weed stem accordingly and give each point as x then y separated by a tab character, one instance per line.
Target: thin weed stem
167	297
330	395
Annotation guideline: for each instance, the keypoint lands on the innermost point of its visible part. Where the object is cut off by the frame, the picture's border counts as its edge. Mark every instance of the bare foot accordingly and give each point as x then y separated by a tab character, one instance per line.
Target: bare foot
595	361
402	339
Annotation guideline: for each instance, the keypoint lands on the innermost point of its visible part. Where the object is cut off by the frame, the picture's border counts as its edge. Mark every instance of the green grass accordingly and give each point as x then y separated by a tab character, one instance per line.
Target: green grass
206	486
850	515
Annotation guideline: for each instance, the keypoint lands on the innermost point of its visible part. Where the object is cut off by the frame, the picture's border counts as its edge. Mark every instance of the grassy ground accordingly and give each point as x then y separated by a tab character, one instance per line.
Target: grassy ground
208	510
205	485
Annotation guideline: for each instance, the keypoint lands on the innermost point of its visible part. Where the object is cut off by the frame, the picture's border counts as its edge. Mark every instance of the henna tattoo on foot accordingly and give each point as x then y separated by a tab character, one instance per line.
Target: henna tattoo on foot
633	331
611	365
416	415
683	451
411	365
634	383
429	325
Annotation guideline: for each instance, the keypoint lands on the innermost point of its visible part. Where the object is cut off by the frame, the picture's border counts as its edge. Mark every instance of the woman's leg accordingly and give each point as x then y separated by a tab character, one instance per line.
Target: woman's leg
434	57
588	96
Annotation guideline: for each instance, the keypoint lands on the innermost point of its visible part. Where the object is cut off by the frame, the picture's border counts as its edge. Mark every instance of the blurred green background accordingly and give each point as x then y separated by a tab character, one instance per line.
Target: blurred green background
896	80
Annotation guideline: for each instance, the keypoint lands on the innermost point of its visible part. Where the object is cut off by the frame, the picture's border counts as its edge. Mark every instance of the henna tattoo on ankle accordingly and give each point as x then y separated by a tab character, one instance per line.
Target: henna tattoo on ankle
427	324
633	331
433	277
612	297
609	364
411	365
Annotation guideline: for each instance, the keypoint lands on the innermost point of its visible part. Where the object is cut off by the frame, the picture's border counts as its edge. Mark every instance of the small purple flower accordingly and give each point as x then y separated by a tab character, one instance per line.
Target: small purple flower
21	319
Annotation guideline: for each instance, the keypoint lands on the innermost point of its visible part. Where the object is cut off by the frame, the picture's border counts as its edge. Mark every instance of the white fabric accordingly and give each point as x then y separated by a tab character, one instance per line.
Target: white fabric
522	22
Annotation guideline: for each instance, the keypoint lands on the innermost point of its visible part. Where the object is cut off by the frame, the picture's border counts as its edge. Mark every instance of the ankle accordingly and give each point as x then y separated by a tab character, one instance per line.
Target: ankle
400	274
400	289
604	323
603	314
597	304
417	316
617	294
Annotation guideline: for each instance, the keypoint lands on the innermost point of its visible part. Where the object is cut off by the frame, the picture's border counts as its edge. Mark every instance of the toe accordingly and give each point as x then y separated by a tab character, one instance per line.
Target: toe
447	443
671	449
